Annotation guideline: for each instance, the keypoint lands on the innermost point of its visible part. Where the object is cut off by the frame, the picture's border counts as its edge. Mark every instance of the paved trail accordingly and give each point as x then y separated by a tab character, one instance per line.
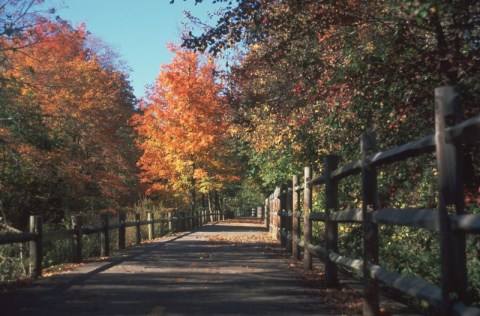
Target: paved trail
201	273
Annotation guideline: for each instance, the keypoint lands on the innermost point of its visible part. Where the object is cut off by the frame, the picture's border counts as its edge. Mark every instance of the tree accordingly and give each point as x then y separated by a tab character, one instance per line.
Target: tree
183	128
62	154
316	74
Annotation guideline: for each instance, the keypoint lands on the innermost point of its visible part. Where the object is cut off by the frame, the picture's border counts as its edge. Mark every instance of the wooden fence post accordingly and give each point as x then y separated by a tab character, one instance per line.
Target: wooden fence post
121	230
77	224
178	225
370	230
170	221
163	224
138	231
331	228
205	209
151	225
295	219
178	221
36	253
288	216
105	237
283	215
181	221
221	202
267	213
205	214
451	196
276	213
271	223
307	223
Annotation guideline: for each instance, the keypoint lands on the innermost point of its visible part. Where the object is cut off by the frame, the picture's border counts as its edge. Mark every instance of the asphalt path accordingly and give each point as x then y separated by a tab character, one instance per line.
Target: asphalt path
221	269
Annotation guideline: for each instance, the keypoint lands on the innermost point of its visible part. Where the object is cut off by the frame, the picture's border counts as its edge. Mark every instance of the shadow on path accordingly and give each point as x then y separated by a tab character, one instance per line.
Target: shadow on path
191	274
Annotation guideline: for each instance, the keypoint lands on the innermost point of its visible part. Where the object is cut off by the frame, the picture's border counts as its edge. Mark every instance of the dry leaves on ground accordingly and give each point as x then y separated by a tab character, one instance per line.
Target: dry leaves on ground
245	220
243	239
343	301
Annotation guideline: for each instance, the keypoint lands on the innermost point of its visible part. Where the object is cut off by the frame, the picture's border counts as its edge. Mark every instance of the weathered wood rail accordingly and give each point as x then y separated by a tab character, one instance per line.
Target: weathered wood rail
35	237
284	215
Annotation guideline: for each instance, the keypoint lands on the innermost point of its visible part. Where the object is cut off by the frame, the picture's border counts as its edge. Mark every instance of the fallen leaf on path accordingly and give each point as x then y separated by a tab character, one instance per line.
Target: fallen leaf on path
344	301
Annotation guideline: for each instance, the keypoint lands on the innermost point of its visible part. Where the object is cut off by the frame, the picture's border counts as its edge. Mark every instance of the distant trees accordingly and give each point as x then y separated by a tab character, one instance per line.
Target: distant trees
183	129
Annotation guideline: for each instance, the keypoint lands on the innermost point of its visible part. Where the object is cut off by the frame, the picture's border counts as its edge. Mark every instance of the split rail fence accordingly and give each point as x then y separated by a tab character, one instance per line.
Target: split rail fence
284	216
179	221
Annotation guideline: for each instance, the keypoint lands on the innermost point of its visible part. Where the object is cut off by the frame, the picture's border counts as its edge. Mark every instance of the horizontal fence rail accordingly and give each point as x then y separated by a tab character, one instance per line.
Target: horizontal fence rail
36	236
446	142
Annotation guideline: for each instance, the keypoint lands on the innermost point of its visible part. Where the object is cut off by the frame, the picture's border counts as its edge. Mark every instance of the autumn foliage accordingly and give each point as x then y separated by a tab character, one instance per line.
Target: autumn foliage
314	75
66	142
183	128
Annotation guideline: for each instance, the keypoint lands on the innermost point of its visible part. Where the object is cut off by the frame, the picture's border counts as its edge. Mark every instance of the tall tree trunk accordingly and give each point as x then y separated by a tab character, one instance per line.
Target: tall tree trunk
218	207
210	206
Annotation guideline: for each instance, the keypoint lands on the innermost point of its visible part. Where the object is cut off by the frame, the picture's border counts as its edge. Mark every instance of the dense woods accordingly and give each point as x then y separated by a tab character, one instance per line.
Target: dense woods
67	146
318	73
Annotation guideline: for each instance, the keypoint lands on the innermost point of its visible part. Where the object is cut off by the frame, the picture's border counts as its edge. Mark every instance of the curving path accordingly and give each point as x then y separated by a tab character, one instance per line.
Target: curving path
221	269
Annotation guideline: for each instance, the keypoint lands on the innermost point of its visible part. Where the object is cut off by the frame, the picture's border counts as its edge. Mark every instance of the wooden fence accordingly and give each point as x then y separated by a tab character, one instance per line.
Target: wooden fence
179	221
256	212
449	218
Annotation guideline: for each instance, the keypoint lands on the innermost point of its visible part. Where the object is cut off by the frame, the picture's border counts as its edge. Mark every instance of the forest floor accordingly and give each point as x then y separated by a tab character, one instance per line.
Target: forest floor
227	268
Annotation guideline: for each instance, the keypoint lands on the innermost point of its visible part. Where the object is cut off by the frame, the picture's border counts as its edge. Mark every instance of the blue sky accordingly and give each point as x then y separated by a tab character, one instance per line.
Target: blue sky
137	29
